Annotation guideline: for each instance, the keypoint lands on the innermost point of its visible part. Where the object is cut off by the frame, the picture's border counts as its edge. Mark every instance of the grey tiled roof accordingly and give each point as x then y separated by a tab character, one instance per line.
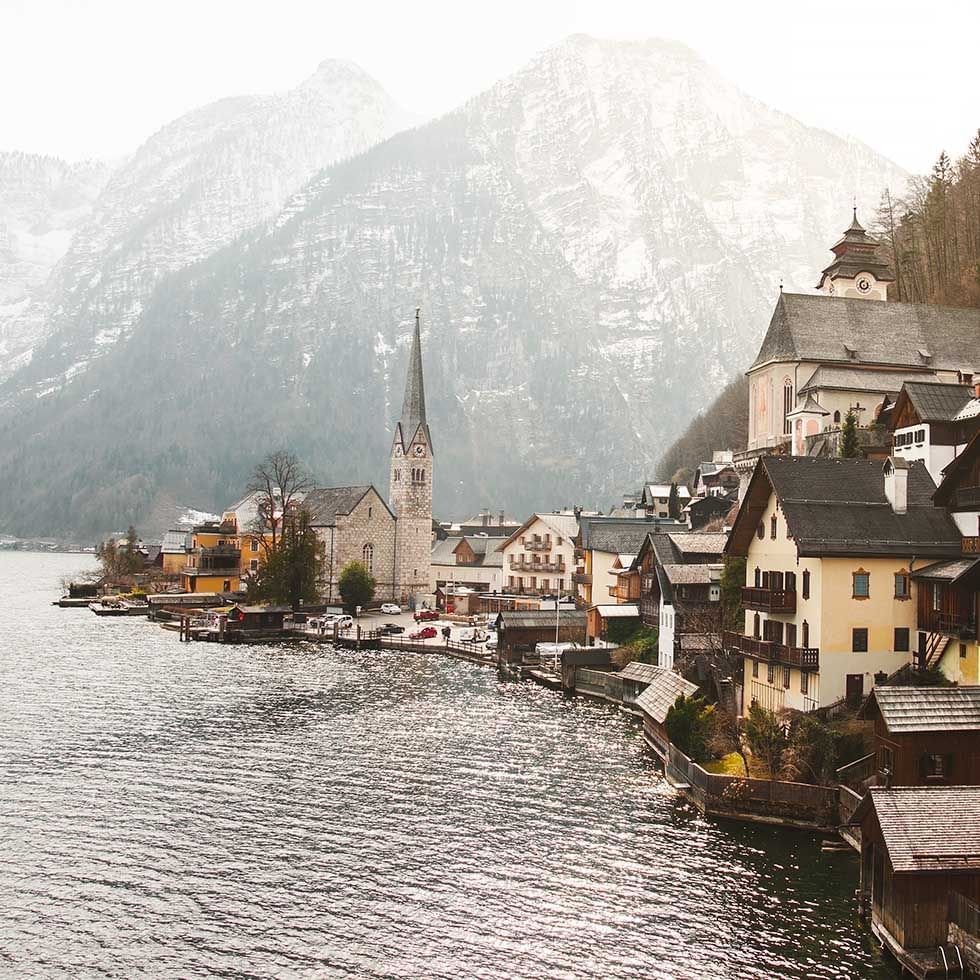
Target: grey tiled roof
644	673
663	690
936	402
326	503
622	538
927	828
541	618
699	543
927	709
174	542
948	571
820	328
836	506
688	574
858	379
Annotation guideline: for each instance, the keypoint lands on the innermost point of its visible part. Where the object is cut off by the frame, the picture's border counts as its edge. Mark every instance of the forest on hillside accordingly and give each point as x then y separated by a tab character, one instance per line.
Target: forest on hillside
930	235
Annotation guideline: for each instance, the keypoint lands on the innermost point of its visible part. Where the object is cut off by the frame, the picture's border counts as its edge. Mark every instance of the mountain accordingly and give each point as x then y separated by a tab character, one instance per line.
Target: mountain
190	189
596	243
43	201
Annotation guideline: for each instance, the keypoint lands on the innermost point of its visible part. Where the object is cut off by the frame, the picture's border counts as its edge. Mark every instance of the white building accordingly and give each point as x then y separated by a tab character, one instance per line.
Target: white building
539	557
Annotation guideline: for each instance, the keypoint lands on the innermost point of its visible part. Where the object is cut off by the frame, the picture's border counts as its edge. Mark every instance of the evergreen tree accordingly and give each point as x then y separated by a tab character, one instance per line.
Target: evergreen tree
849	437
356	586
690	725
674	503
767	738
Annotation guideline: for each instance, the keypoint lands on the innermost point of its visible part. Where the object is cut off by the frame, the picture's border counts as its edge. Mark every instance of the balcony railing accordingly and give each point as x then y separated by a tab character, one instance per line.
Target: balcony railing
517	564
537	544
806	657
769	600
950	623
582	578
971	545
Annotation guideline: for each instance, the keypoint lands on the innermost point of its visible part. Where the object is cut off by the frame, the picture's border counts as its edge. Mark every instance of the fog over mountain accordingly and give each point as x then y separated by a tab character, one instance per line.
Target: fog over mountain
596	243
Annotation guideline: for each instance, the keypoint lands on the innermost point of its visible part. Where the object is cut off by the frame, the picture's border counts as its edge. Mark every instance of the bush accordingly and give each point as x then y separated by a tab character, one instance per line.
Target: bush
642	648
690	725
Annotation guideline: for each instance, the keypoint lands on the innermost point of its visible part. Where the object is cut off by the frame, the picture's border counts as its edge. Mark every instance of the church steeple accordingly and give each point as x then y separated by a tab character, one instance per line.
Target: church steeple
413	405
858	271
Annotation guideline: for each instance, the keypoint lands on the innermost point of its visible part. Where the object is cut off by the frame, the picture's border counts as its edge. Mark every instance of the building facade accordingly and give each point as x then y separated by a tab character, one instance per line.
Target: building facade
539	557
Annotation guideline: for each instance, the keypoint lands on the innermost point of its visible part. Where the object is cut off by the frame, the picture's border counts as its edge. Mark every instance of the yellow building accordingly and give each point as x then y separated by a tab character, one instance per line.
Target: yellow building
830	545
213	561
173	551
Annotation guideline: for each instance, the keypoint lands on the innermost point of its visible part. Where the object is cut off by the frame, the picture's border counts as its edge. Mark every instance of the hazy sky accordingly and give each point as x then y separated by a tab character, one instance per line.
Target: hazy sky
96	77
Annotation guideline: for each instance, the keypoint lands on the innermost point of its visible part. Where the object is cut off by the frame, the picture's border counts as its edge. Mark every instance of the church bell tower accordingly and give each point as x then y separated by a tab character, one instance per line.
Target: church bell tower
858	271
410	485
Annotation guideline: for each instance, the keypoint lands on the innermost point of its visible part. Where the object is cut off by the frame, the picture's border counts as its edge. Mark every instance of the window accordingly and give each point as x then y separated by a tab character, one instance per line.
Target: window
887	760
755	626
861	584
253	565
760	531
253	545
755	668
791	581
902	639
367	553
806	583
772	527
806	633
936	767
786	677
369	511
804	682
837	418
398	476
770	672
787	405
962	651
901	585
791	634
937	597
758	578
859	639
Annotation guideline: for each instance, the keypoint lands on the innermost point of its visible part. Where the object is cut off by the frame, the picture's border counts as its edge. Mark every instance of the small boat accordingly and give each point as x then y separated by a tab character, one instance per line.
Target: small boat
108	607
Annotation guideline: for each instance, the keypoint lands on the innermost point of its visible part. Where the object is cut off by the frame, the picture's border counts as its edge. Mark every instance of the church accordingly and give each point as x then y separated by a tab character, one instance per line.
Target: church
392	537
846	348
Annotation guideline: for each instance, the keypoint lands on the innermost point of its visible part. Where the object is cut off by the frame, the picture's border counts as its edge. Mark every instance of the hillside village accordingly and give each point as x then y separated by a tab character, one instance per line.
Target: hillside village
825	575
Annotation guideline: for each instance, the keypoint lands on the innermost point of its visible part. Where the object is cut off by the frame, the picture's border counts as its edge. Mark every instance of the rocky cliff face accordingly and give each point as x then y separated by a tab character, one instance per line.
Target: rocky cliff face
596	243
43	202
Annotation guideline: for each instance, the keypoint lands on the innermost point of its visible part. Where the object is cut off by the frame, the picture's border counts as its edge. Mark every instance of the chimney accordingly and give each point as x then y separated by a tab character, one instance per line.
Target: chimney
485	515
501	519
896	473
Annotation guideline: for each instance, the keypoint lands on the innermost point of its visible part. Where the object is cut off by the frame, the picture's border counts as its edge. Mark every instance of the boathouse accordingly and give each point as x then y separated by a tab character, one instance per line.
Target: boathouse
920	850
520	631
252	620
925	736
663	688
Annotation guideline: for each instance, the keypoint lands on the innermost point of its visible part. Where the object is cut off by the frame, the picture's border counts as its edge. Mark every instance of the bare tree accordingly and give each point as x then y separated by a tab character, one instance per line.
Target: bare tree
280	482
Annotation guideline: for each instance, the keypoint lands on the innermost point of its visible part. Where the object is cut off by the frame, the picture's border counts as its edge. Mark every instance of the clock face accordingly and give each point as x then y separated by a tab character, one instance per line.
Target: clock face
420	450
864	284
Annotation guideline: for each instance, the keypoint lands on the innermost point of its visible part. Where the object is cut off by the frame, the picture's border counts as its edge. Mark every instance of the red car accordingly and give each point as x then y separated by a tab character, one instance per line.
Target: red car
426	633
424	615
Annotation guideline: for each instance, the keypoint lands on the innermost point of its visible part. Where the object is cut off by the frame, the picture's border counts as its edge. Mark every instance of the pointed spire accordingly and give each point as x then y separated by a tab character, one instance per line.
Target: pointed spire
855	224
413	407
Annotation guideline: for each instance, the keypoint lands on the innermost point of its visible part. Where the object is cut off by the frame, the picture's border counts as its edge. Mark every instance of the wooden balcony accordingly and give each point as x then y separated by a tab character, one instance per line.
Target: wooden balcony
537	544
959	623
806	657
521	565
769	600
971	545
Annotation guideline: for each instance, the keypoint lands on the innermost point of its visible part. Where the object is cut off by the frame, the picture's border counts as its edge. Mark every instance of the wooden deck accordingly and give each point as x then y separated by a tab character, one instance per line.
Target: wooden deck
923	964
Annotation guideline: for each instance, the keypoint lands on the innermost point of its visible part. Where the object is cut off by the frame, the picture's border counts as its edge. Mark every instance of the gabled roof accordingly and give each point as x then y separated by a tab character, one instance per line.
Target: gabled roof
927	829
326	504
618	538
561	525
834	378
690	574
925	709
835	506
663	490
636	671
936	401
955	471
664	688
697	543
541	618
821	328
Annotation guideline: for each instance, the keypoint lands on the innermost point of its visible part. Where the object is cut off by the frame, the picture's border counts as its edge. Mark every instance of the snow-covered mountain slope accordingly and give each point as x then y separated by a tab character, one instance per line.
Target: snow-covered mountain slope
43	201
191	188
596	243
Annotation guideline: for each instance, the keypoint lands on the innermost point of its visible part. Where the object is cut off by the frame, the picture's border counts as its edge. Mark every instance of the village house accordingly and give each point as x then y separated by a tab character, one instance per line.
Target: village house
472	562
680	589
847	349
655	499
925	736
213	560
173	551
714	509
520	631
539	557
920	870
605	546
830	546
611	623
715	477
934	422
486	522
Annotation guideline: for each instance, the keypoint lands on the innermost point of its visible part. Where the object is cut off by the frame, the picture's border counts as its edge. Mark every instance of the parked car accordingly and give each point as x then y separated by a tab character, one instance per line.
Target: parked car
426	633
343	622
491	643
426	615
391	629
391	608
472	636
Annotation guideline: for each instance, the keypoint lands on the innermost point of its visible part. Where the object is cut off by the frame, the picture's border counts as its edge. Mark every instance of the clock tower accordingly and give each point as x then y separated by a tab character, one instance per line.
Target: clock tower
410	486
858	271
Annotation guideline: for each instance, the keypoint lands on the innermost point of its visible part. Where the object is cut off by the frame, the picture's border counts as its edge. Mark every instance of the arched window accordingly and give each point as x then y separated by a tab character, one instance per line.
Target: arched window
758	578
367	554
837	418
787	404
755	626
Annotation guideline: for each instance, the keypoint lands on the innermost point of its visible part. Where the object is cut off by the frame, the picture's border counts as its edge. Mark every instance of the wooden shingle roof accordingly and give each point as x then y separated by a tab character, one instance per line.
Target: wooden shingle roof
927	829
927	709
663	690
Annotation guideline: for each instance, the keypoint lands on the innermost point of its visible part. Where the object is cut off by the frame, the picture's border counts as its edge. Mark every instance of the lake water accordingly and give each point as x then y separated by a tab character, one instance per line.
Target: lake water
197	810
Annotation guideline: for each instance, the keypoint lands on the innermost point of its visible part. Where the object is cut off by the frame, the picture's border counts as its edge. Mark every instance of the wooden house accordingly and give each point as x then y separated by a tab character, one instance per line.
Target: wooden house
926	736
251	620
919	847
520	631
663	688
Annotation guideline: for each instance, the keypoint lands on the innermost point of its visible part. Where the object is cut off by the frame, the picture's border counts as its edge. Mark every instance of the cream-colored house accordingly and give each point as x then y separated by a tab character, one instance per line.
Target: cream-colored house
830	547
539	557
